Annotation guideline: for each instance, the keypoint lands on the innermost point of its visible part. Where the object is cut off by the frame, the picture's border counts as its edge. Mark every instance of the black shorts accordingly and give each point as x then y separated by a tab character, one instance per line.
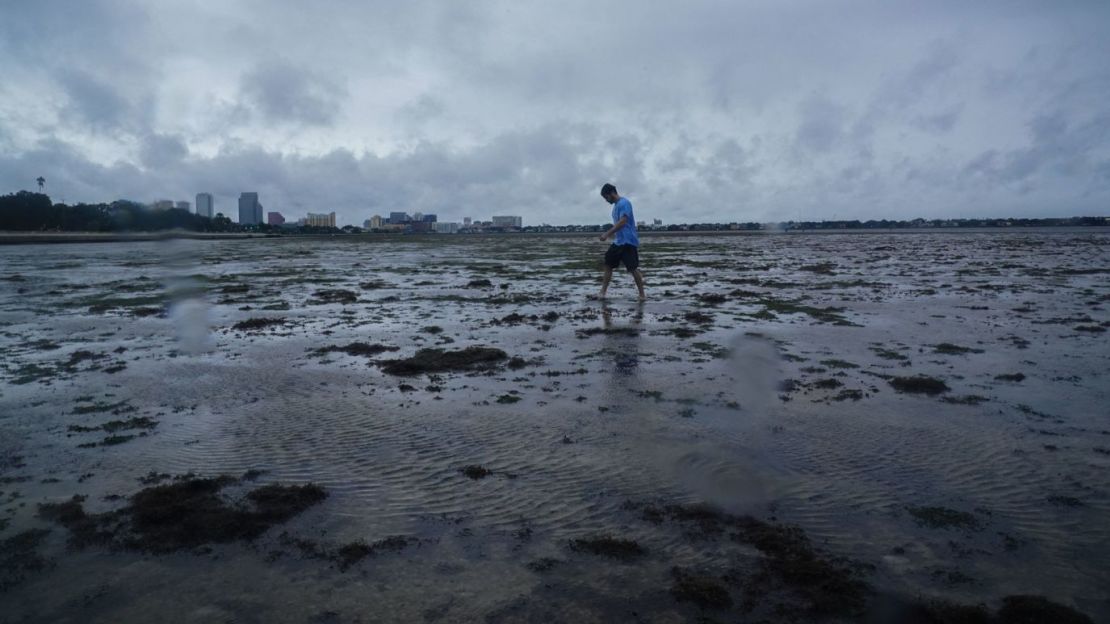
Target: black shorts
622	253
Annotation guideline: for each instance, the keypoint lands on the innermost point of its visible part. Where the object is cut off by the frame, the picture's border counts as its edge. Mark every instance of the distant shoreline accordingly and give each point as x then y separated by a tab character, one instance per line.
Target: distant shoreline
24	238
31	238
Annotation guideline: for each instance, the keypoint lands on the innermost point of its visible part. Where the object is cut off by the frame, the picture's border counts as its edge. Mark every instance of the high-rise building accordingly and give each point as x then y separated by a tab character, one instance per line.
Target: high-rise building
250	209
466	221
373	223
507	222
418	216
274	218
204	205
397	218
428	218
320	220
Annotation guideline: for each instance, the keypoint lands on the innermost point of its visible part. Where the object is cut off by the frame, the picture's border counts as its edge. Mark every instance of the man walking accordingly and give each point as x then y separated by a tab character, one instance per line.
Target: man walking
626	242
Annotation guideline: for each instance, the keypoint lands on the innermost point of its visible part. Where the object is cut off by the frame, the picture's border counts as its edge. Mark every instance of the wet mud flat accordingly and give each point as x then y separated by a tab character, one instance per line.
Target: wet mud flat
905	427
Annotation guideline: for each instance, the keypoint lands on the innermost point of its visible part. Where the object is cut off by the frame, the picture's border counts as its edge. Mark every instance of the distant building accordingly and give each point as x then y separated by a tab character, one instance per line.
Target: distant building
205	205
657	222
162	204
421	226
373	223
429	218
320	220
507	222
183	205
466	221
250	209
443	227
274	218
418	216
398	218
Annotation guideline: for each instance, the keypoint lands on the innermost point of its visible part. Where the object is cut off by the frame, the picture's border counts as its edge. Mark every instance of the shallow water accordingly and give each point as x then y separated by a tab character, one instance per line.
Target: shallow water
617	402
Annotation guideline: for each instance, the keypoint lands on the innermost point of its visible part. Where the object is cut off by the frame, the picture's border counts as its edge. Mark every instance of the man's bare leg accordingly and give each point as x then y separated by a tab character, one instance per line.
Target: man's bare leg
639	277
605	282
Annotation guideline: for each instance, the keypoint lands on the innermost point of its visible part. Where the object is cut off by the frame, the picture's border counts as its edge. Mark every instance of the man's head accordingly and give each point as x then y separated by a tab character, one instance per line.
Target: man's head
609	192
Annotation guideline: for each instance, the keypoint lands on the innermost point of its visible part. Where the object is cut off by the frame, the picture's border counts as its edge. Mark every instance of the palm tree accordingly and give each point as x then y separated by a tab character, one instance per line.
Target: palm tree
41	180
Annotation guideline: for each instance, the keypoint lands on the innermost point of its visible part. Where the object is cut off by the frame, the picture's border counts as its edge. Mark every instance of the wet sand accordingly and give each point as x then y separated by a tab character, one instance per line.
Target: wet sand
855	427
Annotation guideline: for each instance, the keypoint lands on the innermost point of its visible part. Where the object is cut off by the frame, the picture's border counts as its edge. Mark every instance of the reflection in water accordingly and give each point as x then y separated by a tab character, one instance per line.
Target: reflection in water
623	346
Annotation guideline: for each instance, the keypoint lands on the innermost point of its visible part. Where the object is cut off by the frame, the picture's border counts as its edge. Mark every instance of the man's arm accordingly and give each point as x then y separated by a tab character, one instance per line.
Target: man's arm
623	221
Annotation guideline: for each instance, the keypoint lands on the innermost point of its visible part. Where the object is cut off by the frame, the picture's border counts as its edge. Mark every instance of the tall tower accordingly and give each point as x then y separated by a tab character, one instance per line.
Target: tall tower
205	205
250	210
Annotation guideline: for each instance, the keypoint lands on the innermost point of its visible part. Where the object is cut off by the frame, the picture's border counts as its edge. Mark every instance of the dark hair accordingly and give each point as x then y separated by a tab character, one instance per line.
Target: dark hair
608	189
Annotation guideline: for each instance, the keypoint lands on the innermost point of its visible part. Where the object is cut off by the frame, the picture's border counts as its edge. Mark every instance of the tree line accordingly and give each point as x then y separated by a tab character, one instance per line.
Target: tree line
34	212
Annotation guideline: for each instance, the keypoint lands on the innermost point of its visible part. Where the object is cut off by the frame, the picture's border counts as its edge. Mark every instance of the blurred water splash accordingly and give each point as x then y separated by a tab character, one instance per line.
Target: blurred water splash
757	367
737	470
187	308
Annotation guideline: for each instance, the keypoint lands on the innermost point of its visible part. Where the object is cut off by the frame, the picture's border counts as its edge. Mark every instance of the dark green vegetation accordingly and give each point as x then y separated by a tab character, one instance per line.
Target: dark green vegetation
608	546
474	471
1019	609
112	426
953	349
790	578
838	364
82	360
19	556
943	518
1026	609
439	360
828	314
1094	329
332	295
792	581
888	354
702	590
185	514
607	331
256	324
967	399
543	564
351	553
919	384
356	348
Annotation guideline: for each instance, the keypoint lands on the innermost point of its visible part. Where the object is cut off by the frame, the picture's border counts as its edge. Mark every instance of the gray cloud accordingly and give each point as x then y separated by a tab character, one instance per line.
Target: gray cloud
284	92
162	151
821	125
698	111
94	103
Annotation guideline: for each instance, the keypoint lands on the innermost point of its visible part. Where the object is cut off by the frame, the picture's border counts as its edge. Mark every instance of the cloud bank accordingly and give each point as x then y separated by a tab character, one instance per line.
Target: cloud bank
699	111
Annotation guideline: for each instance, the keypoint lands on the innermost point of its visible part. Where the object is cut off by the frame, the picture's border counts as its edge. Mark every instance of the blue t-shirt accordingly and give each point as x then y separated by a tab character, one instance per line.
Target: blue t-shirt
627	234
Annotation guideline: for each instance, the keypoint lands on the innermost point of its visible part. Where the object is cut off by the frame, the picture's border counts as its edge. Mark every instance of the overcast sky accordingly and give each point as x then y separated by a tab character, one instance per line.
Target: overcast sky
696	110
